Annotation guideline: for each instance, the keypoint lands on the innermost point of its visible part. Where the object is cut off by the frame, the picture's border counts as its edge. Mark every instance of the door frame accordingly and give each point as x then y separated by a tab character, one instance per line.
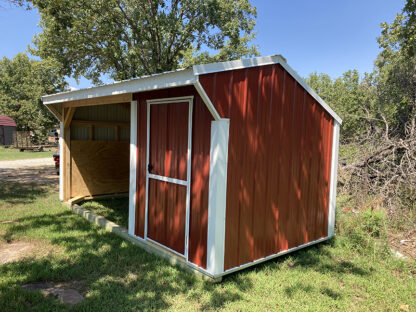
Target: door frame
187	183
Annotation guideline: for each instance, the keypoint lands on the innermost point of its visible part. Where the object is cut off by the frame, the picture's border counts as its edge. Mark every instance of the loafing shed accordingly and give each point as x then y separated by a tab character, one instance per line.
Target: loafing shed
226	165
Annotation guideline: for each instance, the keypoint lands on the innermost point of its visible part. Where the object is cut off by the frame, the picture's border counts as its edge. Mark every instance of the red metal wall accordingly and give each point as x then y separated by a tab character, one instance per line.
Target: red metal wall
201	134
278	162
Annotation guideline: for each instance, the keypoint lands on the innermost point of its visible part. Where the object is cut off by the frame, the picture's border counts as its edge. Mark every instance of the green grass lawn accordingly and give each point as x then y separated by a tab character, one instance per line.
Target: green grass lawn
117	276
15	154
113	209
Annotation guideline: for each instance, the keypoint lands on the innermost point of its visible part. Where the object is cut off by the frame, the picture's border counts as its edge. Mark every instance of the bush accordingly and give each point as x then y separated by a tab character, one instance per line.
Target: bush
363	231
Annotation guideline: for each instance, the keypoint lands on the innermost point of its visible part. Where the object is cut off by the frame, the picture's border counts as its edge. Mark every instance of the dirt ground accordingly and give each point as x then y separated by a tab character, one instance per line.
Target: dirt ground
406	245
26	163
38	175
21	172
18	250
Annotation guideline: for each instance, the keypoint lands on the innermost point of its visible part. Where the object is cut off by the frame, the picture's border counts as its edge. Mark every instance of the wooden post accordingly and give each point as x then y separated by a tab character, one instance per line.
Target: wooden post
67	114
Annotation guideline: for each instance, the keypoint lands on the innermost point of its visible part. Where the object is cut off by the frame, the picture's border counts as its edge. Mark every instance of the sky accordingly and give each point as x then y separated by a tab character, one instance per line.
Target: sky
328	36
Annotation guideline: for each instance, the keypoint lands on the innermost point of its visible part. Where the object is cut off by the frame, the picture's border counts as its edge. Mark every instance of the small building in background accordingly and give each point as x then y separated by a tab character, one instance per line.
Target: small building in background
7	130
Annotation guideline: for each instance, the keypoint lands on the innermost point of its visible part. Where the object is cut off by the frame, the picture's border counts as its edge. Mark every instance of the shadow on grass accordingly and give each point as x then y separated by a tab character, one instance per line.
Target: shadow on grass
16	193
118	275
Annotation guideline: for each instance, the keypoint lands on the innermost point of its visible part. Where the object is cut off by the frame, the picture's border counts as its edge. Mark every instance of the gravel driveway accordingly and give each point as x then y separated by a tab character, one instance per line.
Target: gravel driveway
37	170
25	163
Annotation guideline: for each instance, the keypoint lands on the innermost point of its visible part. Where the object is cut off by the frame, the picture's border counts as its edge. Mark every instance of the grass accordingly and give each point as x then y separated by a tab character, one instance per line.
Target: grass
15	154
117	276
113	209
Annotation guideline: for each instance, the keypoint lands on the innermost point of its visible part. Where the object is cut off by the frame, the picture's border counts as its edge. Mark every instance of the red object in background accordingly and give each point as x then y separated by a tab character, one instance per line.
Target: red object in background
56	160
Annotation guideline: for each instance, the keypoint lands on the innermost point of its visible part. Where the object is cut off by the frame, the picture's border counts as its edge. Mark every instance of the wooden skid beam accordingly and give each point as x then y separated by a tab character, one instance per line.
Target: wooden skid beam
76	200
102	100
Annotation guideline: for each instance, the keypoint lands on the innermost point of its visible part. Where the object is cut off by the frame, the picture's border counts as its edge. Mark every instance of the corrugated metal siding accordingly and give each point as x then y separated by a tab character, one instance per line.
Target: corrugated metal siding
104	134
124	134
278	162
8	133
168	153
80	133
110	113
167	210
168	149
198	227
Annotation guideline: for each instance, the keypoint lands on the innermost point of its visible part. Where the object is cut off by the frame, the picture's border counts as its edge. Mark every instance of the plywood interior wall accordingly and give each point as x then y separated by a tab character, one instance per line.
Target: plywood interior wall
99	167
100	150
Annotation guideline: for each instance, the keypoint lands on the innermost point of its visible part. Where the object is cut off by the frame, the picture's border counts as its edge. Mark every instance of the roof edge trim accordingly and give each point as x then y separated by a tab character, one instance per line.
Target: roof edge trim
155	82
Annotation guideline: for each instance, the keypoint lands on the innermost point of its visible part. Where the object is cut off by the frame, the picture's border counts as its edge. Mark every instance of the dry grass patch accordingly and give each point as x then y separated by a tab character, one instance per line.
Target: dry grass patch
12	251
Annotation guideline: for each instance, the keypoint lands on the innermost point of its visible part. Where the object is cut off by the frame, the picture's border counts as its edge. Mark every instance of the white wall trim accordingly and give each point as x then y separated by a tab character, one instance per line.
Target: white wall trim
333	185
61	165
206	100
133	162
217	195
167	179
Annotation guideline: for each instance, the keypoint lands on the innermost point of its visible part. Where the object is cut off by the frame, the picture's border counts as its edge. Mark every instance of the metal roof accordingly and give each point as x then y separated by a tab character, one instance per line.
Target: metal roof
181	77
7	121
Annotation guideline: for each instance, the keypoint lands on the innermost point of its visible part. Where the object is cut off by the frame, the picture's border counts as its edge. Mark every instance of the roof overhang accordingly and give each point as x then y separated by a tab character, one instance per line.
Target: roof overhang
121	91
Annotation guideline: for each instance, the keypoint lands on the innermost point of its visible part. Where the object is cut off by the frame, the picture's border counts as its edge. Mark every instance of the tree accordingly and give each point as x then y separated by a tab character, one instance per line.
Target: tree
22	83
396	65
130	38
350	97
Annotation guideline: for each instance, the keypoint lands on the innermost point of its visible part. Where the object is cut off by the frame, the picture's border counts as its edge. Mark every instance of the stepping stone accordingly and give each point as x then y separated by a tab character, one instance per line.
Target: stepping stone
65	295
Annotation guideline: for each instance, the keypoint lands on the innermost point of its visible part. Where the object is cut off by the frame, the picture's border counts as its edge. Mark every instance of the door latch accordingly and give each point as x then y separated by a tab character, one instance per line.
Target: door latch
149	167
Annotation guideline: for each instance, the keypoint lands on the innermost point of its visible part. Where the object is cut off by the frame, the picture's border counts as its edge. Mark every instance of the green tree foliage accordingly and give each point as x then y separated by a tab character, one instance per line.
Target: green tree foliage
130	38
349	96
396	68
22	83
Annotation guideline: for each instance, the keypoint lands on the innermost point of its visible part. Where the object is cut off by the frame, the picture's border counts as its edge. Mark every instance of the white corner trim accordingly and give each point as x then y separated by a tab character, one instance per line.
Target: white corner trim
133	162
206	100
217	195
61	166
333	185
159	81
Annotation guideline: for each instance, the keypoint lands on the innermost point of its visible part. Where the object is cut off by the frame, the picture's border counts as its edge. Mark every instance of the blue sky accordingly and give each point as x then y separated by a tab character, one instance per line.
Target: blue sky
329	36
